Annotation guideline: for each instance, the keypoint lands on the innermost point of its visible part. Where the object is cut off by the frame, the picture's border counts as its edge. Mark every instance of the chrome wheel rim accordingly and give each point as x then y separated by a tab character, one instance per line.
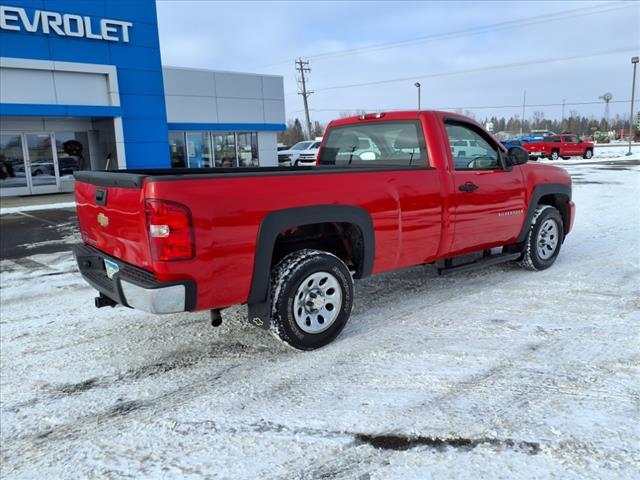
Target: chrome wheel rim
547	241
554	156
317	302
589	154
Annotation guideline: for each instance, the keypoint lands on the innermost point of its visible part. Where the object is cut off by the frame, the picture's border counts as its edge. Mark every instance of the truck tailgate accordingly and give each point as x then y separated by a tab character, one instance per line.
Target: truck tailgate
112	217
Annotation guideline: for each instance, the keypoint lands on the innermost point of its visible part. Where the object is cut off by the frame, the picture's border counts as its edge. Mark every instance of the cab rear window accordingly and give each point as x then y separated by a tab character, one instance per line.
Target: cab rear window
384	144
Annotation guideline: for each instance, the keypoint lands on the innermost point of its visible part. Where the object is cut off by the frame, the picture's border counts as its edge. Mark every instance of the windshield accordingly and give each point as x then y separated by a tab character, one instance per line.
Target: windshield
301	146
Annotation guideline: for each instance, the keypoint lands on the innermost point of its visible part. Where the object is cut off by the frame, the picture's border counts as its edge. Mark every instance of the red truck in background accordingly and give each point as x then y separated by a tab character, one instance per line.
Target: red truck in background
563	146
390	190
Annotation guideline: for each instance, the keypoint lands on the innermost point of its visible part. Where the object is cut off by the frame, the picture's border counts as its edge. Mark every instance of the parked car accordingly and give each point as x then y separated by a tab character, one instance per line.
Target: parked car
308	157
560	146
511	142
288	158
292	249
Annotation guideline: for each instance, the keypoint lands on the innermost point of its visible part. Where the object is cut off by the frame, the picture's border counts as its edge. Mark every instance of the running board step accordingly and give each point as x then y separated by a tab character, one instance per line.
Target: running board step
480	263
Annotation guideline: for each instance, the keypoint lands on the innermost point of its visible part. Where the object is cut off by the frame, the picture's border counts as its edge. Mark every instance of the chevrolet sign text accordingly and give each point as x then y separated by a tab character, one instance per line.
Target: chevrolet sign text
63	24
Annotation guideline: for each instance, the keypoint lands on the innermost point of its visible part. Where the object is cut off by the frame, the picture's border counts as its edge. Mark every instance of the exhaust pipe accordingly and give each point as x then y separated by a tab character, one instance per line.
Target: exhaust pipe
104	301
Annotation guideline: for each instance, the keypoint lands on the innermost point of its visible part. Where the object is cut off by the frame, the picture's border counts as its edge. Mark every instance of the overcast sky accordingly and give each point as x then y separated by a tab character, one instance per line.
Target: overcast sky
266	37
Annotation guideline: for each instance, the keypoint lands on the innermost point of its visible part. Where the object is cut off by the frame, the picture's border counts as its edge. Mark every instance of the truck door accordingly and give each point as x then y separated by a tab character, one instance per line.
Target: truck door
490	202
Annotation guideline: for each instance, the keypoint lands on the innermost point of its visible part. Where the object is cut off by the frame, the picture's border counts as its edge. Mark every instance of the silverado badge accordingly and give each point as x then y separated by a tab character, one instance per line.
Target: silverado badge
103	220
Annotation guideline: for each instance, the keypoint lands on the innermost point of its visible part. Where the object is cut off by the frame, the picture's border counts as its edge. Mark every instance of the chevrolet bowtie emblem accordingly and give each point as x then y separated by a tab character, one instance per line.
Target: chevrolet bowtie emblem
103	220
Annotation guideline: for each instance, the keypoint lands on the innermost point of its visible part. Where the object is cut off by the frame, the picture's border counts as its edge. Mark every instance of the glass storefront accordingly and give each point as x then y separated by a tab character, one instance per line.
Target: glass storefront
248	149
29	163
198	150
176	150
208	149
13	177
224	146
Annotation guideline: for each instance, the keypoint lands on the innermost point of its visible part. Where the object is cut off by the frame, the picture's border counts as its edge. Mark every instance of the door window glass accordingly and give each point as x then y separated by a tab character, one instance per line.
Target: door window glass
224	146
41	159
247	149
176	150
470	151
12	169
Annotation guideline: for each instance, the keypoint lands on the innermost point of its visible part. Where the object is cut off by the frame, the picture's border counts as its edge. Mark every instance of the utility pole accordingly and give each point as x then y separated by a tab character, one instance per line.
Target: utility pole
563	110
524	101
303	67
634	61
417	85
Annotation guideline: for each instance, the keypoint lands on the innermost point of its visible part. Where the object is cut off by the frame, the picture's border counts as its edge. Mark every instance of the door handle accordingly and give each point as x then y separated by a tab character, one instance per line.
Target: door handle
468	187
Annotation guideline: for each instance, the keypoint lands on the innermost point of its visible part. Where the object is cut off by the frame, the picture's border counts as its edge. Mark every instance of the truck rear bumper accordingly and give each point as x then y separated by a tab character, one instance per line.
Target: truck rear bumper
132	286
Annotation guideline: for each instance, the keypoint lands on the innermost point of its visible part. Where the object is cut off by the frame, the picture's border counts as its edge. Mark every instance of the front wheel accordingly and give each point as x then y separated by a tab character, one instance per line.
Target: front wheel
555	155
544	239
312	296
588	154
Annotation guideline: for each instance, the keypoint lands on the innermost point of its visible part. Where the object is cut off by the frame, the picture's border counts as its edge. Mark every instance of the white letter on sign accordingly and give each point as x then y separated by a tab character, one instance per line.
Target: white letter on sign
30	26
78	29
8	14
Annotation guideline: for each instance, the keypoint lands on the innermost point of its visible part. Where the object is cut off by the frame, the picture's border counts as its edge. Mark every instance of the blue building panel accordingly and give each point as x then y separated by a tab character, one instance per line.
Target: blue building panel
95	8
137	61
68	50
143	106
140	82
147	154
136	58
132	10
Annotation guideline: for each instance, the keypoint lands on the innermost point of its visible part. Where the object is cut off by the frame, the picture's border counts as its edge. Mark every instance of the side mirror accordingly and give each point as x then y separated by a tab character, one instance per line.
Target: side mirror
518	156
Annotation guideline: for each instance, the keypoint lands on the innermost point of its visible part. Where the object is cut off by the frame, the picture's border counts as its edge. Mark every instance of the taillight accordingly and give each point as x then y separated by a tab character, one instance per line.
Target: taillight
170	230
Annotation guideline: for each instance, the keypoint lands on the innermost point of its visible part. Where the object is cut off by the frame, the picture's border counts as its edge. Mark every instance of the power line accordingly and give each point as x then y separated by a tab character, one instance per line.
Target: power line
525	21
475	70
464	108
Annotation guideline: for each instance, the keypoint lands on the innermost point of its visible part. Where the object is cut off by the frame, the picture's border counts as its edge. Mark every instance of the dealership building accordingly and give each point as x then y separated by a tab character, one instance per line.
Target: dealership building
82	86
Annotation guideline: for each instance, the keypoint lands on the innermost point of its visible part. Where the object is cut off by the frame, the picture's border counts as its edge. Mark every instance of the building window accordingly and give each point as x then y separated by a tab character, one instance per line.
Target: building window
12	167
176	150
198	150
248	149
224	147
213	149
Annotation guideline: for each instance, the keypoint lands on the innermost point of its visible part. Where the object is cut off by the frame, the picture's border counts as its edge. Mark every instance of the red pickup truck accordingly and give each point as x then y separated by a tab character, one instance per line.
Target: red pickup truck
390	190
559	146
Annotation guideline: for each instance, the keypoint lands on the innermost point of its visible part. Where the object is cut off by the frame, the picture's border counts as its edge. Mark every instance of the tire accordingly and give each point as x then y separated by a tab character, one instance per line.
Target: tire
544	239
312	296
554	155
588	154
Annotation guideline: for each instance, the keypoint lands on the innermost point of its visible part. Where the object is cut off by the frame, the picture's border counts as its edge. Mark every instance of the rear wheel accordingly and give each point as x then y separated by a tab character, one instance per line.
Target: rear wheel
555	155
544	239
312	295
588	154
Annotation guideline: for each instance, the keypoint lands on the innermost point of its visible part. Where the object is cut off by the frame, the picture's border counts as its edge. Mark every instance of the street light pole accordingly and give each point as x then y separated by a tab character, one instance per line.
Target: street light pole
634	61
417	85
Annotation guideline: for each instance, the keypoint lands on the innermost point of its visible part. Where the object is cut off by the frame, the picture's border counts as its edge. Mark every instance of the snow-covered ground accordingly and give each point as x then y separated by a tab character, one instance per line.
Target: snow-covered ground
501	373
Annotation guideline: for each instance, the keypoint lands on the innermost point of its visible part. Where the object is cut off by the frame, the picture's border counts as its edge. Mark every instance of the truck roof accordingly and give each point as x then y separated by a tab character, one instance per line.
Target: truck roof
396	115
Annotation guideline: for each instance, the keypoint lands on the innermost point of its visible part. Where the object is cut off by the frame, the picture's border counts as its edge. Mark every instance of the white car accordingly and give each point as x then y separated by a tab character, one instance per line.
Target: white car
309	156
288	158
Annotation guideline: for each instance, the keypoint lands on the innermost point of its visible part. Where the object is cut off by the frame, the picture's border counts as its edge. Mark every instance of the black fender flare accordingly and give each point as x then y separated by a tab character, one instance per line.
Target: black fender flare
537	193
278	221
259	302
